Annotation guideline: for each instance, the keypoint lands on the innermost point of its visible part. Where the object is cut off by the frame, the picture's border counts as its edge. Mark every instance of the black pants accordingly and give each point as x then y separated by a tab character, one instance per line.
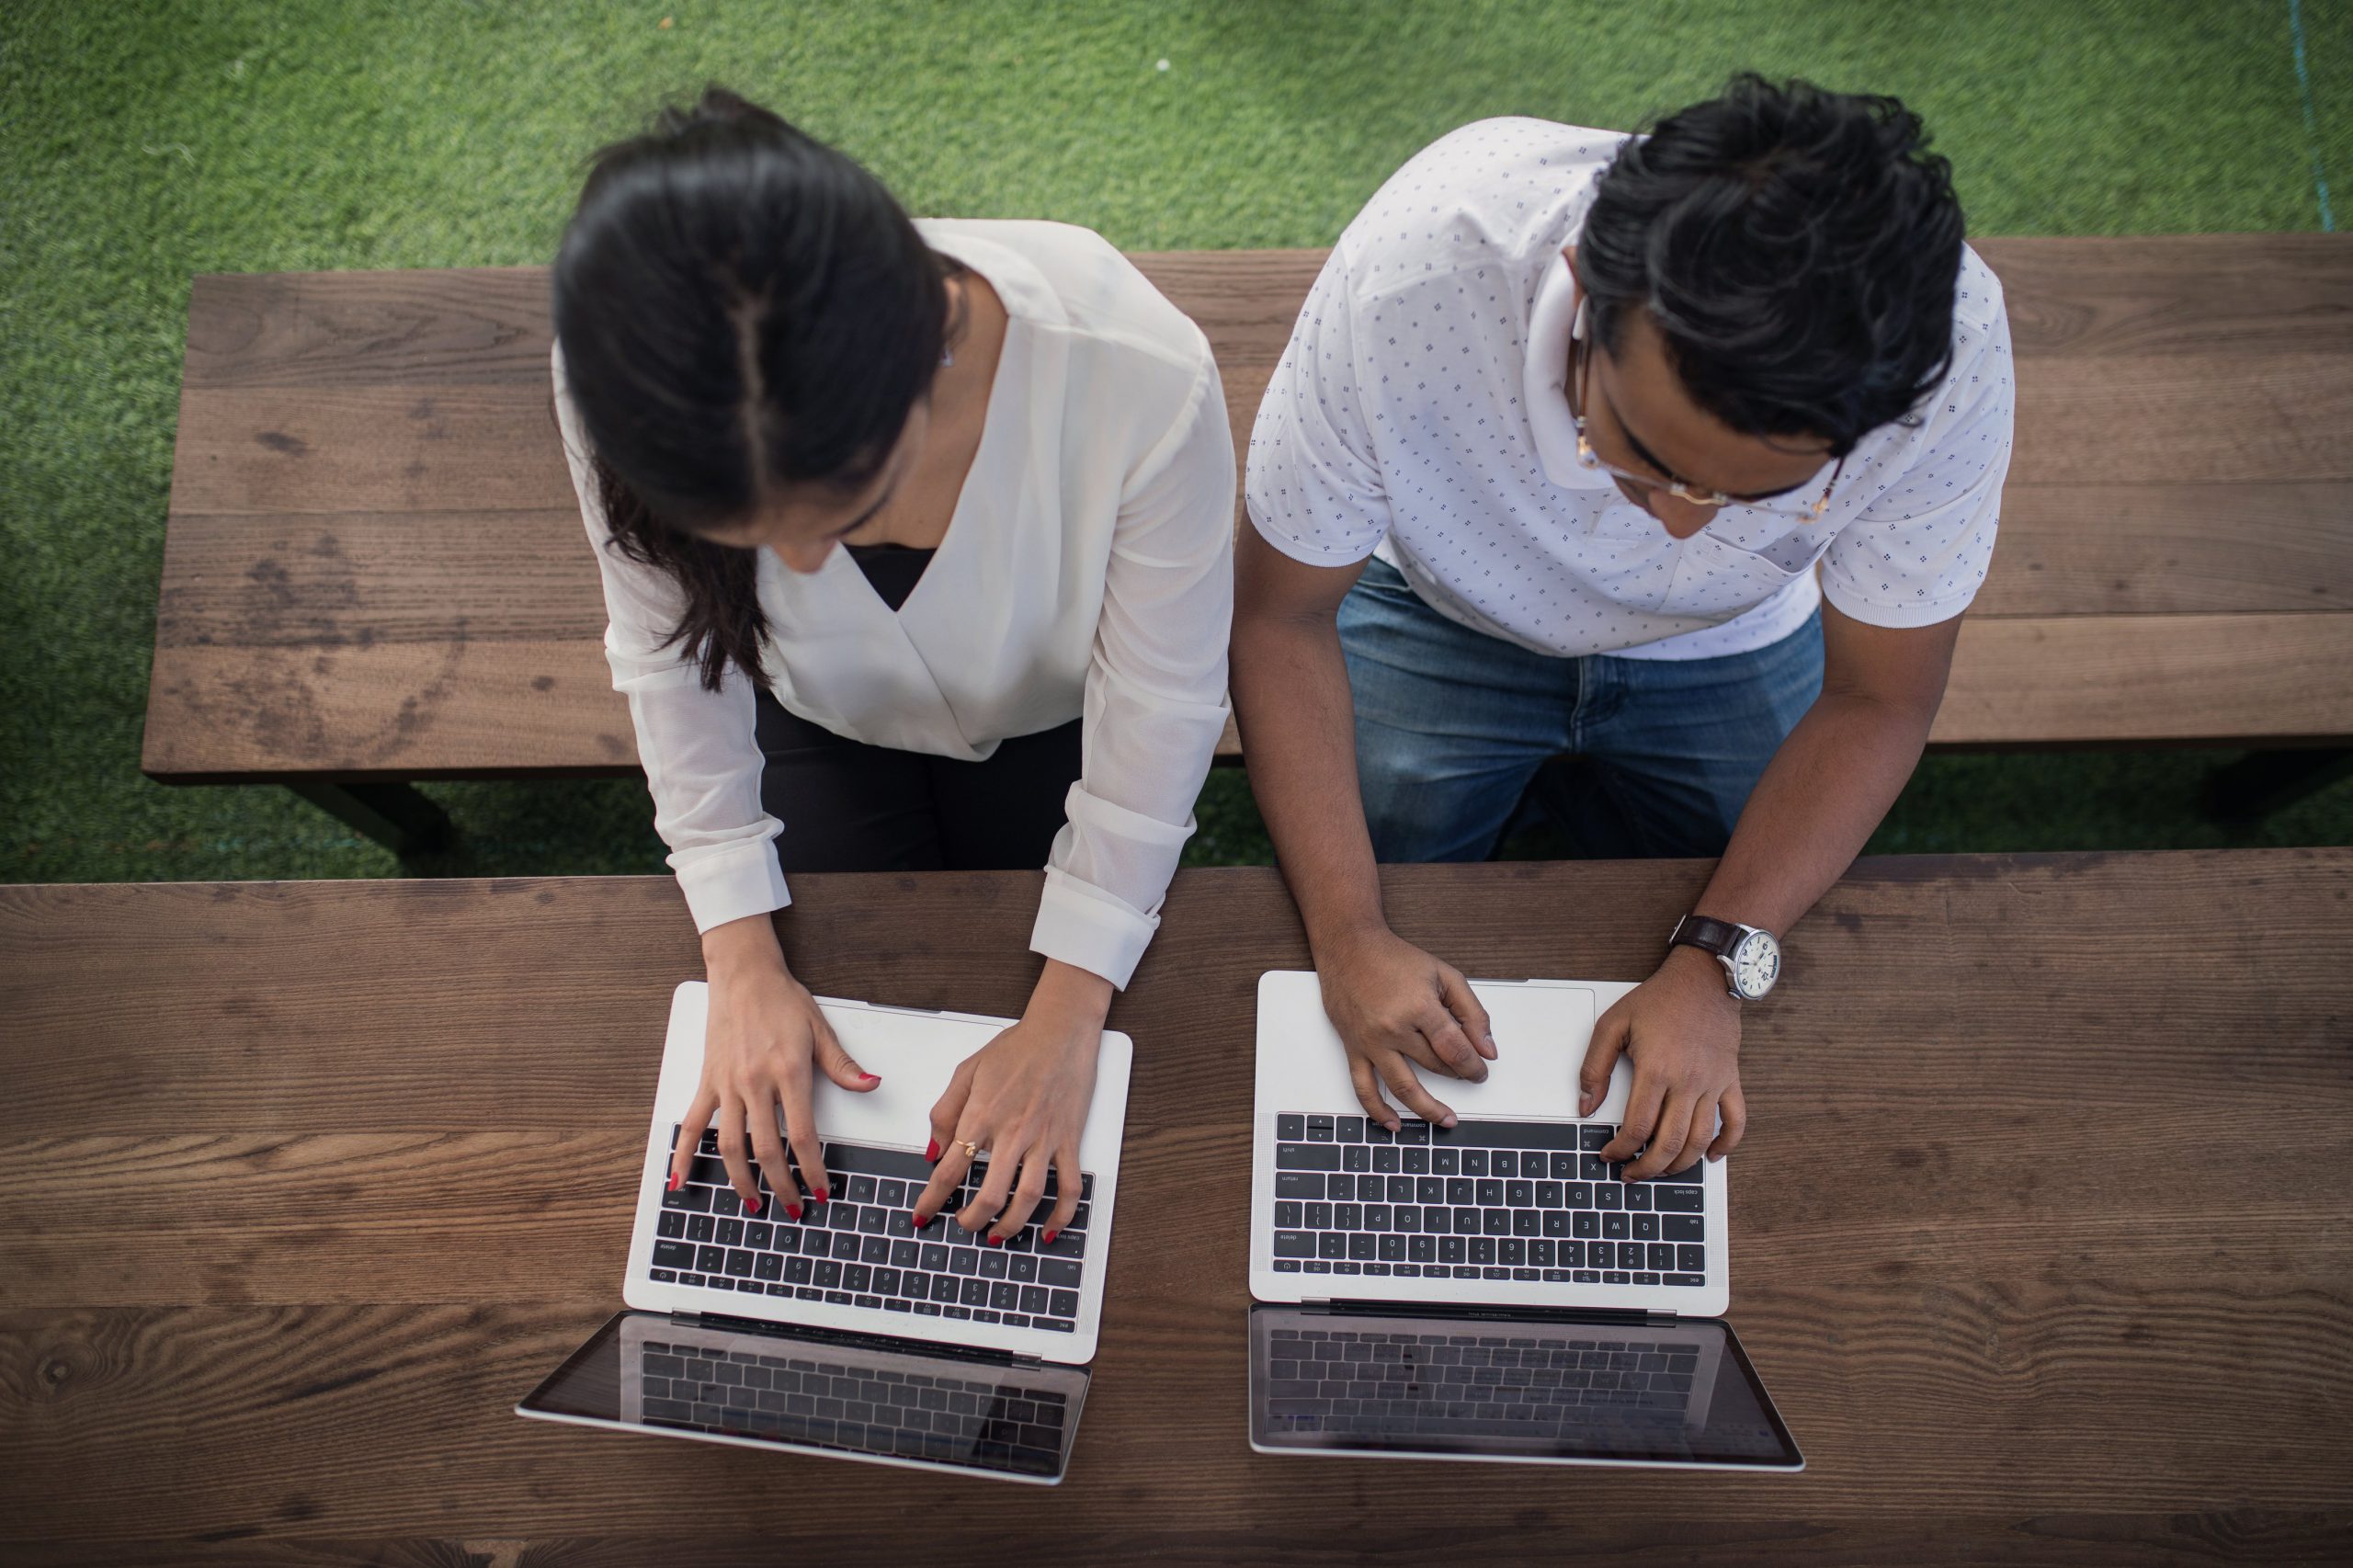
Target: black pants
848	806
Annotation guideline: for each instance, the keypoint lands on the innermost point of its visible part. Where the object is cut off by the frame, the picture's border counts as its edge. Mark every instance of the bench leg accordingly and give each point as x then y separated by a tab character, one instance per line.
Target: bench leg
398	816
2261	782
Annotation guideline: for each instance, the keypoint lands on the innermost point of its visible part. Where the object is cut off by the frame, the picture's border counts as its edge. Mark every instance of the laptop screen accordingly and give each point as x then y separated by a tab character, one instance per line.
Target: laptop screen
777	1386
1600	1390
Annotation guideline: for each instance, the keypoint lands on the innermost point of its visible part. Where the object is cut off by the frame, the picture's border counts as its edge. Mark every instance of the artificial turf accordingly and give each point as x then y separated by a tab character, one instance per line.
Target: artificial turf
141	143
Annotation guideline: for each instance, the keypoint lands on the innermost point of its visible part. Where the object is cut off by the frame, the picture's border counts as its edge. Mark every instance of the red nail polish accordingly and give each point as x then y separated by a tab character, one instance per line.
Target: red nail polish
931	1150
1050	1235
676	1177
794	1210
868	1078
825	1195
753	1207
920	1220
997	1241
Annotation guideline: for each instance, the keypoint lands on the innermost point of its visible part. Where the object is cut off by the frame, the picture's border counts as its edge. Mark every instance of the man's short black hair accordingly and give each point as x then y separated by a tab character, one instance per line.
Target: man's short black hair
1798	250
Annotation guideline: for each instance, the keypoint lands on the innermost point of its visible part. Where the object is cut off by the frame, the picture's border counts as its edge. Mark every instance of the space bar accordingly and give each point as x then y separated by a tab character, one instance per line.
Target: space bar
857	1159
1508	1134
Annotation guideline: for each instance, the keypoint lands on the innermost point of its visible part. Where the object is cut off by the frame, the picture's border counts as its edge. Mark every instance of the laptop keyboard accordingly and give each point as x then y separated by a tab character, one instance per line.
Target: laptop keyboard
808	1399
862	1249
1521	1385
1524	1200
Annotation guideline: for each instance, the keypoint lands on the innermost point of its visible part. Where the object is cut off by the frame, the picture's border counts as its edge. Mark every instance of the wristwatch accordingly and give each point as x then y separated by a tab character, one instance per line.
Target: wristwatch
1752	959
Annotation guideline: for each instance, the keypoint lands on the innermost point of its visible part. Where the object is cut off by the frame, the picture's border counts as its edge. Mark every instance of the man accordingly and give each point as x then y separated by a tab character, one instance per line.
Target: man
1598	408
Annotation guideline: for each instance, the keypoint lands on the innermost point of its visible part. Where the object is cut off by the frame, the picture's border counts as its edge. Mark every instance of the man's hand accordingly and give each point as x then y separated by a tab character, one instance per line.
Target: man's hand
1681	1030
1396	1008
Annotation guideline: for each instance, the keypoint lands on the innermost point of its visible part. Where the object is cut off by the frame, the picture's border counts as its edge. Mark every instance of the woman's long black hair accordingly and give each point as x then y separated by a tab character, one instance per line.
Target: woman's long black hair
742	308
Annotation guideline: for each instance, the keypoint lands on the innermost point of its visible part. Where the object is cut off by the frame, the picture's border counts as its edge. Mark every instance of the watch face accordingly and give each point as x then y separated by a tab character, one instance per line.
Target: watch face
1755	964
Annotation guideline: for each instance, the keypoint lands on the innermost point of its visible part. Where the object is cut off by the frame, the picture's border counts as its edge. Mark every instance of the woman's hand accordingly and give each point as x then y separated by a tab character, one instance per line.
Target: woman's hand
762	1031
1023	1097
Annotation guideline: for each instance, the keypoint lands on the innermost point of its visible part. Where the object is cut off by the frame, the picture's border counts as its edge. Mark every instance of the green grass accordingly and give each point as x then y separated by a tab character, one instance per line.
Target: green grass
142	144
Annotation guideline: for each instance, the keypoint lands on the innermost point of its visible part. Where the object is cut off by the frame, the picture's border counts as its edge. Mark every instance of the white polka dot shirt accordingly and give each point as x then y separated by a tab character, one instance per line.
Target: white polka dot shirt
1419	415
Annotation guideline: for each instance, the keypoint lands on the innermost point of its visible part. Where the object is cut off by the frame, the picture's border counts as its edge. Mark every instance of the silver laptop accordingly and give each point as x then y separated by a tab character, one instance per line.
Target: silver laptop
850	1333
1491	1290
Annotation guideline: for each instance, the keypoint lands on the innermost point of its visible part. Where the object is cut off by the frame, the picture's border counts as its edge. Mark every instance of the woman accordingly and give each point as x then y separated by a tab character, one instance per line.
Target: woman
1018	657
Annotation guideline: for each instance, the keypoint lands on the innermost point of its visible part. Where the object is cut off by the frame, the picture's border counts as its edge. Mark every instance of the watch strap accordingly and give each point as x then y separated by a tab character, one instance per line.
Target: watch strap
1717	937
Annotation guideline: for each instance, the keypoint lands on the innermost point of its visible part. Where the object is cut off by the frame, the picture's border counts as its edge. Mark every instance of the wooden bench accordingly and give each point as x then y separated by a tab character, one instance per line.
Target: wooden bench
374	571
2043	1247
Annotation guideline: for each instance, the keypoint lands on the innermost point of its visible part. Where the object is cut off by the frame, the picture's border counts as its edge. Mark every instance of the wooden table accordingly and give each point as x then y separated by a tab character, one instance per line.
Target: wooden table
2044	1230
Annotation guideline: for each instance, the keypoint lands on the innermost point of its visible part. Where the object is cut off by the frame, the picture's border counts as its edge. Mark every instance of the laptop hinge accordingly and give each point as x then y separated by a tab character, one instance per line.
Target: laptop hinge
1489	1313
891	1342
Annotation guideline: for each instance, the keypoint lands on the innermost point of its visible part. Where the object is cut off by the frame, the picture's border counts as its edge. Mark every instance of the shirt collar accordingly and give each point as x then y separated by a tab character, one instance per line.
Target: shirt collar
1544	391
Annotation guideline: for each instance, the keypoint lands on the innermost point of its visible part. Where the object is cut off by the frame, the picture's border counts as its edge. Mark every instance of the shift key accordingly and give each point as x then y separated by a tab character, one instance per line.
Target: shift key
1307	1156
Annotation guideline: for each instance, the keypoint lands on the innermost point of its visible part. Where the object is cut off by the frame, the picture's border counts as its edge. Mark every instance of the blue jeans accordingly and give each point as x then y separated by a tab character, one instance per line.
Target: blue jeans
1461	734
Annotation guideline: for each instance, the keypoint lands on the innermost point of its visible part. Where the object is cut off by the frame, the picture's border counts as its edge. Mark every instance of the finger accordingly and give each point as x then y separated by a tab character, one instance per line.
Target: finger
1464	1006
947	1175
1695	1140
1368	1091
1734	1107
800	1138
690	1131
1673	1126
1067	1186
1642	1116
1593	1077
834	1062
768	1147
996	1185
734	1148
1461	1058
1412	1096
948	1110
1027	1191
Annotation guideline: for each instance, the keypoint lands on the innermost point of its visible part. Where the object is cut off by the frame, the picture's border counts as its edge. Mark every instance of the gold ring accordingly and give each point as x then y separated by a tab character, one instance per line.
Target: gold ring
972	1150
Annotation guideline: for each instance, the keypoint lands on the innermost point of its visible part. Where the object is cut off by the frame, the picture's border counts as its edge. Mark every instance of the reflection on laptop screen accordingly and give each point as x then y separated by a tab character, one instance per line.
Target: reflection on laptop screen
798	1391
1624	1392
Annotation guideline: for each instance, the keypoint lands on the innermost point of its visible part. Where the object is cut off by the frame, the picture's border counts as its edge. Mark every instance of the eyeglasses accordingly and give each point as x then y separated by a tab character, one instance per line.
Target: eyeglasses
1790	504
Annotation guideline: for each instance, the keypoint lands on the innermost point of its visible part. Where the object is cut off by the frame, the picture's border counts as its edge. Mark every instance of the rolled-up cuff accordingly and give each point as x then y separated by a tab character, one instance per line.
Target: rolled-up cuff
1084	926
730	883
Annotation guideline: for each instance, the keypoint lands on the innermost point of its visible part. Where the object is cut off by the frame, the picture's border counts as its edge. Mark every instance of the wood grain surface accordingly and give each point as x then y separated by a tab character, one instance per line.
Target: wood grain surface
367	459
2043	1231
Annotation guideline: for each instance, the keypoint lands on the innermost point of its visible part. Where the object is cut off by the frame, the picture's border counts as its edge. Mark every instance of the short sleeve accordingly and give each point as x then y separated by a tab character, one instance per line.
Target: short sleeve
1917	554
1313	486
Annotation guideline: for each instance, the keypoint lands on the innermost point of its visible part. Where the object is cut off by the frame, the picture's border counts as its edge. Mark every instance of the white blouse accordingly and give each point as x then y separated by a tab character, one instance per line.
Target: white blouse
1086	572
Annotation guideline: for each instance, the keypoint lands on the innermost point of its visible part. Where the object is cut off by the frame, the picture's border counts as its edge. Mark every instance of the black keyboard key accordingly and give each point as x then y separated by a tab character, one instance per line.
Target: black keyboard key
874	1249
1683	1228
1290	1216
1295	1244
1057	1271
1003	1296
1495	1222
672	1255
1340	1188
1411	1130
673	1223
1307	1156
1614	1227
711	1259
1638	1197
943	1286
1021	1267
1683	1279
1298	1184
1056	1326
1319	1129
858	1278
1363	1246
1445	1162
1594	1137
1474	1161
1034	1299
700	1228
1063	1303
1504	1162
1490	1193
1564	1165
1352	1130
1692	1177
976	1294
1545	1135
1609	1196
1291	1129
1683	1199
1331	1243
731	1234
1658	1256
1689	1258
696	1198
1319	1216
1356	1156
